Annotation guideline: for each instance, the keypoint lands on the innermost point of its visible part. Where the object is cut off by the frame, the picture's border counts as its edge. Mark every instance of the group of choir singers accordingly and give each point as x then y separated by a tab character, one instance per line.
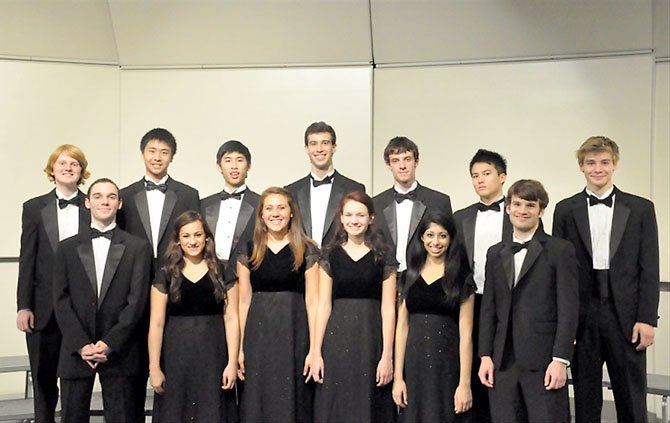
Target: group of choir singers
313	302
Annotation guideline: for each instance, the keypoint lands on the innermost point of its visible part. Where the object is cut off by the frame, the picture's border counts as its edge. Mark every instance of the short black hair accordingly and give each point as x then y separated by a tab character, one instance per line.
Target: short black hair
529	190
101	181
399	145
490	157
317	128
162	135
233	146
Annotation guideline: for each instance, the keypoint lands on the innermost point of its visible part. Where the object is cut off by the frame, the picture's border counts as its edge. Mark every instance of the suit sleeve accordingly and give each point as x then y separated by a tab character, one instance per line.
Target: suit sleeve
25	290
118	335
567	301
647	311
488	320
74	335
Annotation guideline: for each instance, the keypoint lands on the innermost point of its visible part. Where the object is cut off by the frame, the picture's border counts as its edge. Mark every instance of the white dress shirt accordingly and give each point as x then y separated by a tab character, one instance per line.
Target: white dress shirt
600	225
68	217
155	201
488	232
229	211
100	251
318	204
403	212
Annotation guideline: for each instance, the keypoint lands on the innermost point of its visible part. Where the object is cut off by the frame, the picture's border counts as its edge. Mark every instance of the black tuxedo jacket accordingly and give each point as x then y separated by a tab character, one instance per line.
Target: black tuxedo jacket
246	219
426	199
301	191
39	243
465	220
112	316
634	267
134	215
543	305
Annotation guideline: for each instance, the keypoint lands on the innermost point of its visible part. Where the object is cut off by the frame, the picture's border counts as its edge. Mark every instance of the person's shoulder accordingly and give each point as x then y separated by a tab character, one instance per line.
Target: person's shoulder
296	185
135	186
212	199
251	196
182	187
40	200
460	214
633	199
352	184
570	200
132	240
383	196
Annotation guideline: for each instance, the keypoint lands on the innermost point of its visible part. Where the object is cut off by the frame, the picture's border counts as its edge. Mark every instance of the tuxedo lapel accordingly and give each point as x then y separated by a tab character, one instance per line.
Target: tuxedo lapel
246	214
143	210
336	194
581	215
469	222
85	251
114	256
507	259
212	215
390	216
168	207
50	222
534	250
507	227
418	209
304	205
619	222
84	214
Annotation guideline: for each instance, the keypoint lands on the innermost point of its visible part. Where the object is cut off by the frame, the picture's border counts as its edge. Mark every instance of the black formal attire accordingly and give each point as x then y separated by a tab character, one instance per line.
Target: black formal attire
353	341
466	221
39	243
244	224
611	302
276	340
134	218
301	192
527	323
425	199
193	355
112	314
432	353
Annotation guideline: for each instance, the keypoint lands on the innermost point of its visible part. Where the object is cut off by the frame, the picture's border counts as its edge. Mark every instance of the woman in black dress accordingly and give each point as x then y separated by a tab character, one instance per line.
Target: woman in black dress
278	279
194	330
433	348
352	356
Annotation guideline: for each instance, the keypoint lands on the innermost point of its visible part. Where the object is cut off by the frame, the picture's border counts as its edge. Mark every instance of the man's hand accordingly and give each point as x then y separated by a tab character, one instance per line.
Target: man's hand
556	375
644	333
486	370
25	321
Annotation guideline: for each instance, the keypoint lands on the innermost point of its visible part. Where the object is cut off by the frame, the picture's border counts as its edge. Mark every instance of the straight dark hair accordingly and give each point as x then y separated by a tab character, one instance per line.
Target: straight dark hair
454	277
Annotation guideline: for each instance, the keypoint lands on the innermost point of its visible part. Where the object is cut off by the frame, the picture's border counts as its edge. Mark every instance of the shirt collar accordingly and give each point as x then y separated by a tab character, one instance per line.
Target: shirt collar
521	241
402	190
241	188
327	175
162	181
605	194
61	195
108	228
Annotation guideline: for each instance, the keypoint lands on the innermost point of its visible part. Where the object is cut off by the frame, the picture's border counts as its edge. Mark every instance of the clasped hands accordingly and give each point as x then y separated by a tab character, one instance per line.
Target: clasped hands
94	354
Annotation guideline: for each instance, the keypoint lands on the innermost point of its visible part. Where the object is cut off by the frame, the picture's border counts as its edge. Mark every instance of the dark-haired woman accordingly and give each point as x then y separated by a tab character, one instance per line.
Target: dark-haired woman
278	279
352	356
194	330
433	348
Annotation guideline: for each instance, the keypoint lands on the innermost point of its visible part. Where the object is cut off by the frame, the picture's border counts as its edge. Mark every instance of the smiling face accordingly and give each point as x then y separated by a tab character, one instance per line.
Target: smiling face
103	201
320	149
487	182
66	171
436	240
192	239
234	167
598	169
355	218
276	213
403	167
525	215
157	156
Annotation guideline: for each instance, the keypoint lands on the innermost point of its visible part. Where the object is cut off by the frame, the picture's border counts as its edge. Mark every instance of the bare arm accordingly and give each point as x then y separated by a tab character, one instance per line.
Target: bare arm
463	395
385	367
231	321
322	316
311	305
159	302
401	330
244	284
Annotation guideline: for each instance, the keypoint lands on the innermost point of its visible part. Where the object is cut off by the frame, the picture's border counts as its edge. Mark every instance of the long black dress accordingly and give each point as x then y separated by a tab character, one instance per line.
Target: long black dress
276	341
352	344
432	360
193	356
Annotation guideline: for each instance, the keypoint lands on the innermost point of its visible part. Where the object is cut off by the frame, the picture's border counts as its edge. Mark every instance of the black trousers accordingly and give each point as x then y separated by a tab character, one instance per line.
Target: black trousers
117	399
43	351
601	341
480	397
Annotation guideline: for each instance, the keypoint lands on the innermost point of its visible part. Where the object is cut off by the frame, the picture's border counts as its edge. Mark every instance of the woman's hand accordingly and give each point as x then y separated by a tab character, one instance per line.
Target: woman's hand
229	376
400	393
384	371
157	380
317	368
462	399
240	365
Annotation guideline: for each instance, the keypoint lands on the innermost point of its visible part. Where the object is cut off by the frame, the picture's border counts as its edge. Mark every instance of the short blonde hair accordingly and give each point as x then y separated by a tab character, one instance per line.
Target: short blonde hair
598	144
72	151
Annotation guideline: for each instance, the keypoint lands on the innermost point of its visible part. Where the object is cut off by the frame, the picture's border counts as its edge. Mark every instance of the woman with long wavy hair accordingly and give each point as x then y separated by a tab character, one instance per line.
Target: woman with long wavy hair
194	330
433	349
278	280
352	356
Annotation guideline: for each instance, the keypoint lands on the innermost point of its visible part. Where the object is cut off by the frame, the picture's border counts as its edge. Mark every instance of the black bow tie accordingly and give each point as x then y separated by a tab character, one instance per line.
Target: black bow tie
399	198
492	207
593	200
324	181
62	203
227	196
97	234
516	246
160	187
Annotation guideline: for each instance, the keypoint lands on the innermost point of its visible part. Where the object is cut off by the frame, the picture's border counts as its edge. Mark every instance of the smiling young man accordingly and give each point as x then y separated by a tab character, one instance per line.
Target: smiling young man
616	239
529	315
47	220
99	298
480	226
319	193
150	207
229	213
400	208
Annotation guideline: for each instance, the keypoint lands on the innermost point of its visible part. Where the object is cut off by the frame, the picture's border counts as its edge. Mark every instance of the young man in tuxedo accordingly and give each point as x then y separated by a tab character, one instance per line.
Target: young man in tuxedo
100	293
529	315
230	213
616	239
47	220
150	207
400	208
319	193
480	226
